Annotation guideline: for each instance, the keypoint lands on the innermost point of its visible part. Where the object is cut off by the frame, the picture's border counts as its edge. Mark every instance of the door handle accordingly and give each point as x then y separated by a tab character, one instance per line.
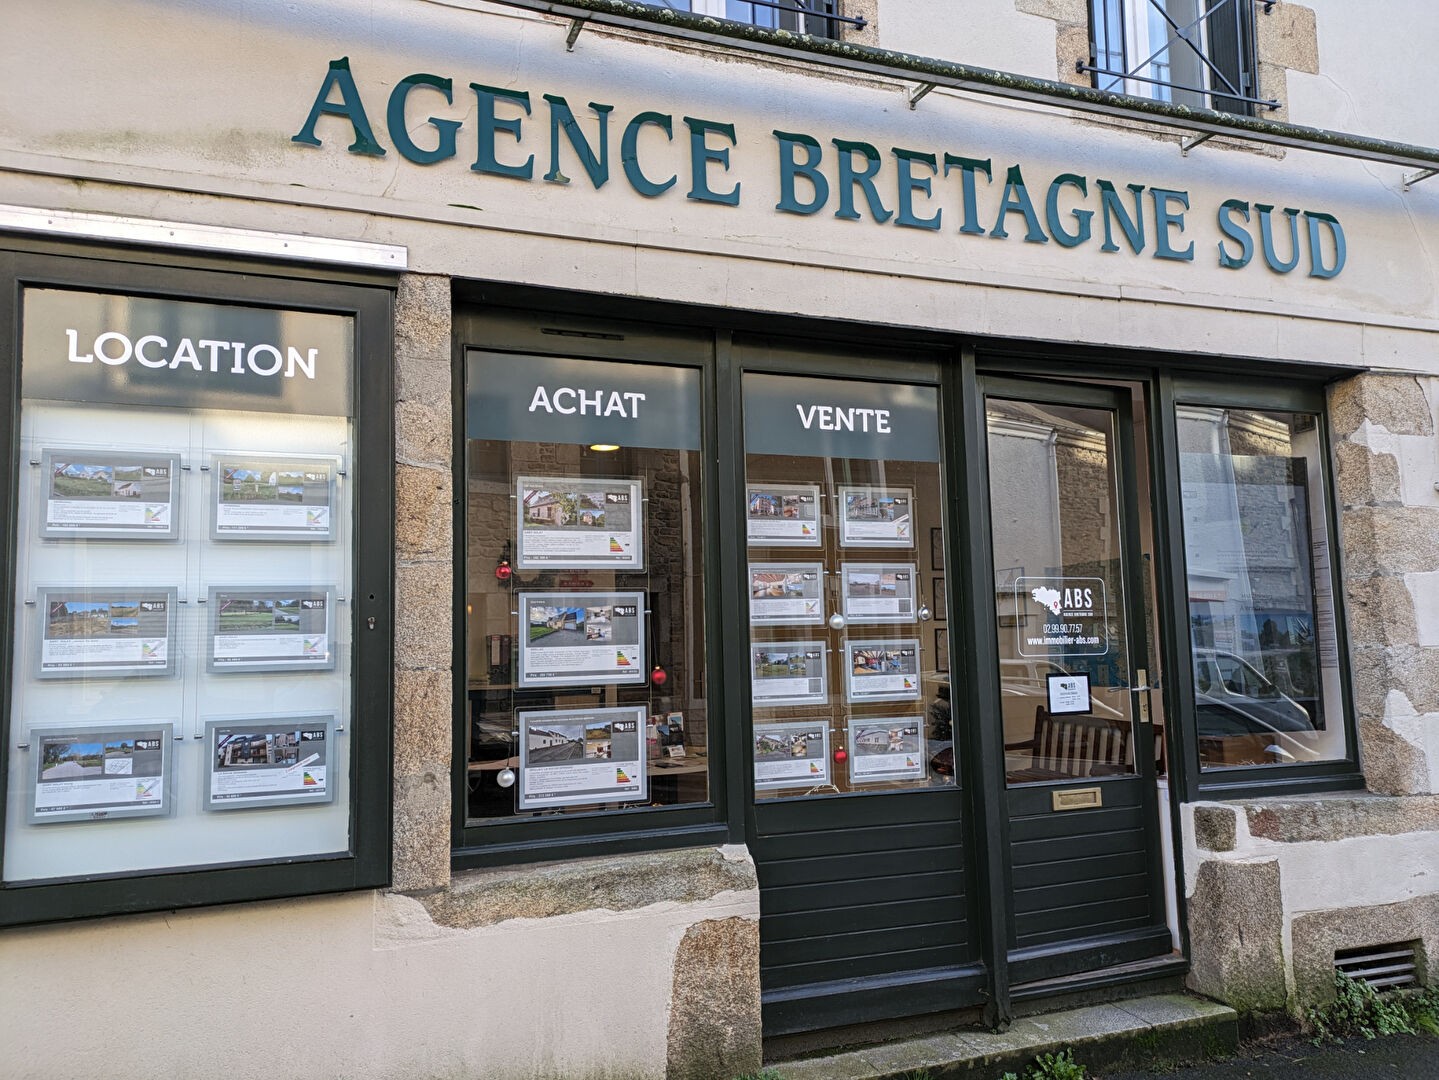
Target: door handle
1143	691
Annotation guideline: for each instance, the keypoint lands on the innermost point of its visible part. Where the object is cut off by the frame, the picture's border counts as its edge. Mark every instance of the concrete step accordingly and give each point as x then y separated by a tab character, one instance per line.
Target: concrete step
1164	1028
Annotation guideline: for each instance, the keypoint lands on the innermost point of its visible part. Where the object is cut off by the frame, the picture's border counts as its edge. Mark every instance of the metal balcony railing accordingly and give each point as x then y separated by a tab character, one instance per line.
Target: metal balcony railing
917	75
1217	45
803	16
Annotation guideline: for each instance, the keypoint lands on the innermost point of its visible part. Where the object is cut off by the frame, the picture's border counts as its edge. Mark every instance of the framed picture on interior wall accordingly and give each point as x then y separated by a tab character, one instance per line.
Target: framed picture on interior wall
936	547
941	650
938	600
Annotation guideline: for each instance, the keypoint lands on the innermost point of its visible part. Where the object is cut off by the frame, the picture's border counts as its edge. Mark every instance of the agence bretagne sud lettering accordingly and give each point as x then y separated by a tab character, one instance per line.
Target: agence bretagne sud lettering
911	189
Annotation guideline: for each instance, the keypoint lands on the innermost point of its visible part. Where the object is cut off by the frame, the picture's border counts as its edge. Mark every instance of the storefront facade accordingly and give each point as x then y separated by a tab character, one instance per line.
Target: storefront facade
619	547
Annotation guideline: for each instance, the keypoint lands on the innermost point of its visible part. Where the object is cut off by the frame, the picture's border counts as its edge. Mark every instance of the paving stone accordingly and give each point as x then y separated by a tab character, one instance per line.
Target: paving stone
851	1066
1171	1027
1173	1009
914	1054
1070	1026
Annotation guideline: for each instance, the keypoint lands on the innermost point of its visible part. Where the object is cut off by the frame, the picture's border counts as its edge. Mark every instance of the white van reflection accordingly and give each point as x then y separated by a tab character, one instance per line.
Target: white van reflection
1233	698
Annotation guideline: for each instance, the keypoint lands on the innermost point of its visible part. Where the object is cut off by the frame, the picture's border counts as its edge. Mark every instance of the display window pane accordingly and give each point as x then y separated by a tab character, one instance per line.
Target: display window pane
844	529
183	581
584	592
1263	645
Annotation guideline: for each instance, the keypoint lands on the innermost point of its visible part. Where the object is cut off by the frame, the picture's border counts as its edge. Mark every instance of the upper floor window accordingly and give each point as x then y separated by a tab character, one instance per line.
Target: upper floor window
1198	53
818	17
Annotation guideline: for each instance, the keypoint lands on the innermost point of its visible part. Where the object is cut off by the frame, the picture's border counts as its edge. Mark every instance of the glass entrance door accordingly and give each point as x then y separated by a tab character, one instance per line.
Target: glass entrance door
1075	668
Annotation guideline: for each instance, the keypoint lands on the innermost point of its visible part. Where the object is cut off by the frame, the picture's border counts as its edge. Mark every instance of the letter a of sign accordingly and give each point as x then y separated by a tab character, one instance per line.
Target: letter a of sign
349	106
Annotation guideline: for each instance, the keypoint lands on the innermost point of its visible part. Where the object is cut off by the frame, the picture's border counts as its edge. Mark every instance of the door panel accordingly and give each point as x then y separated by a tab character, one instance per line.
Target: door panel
856	825
1072	642
861	943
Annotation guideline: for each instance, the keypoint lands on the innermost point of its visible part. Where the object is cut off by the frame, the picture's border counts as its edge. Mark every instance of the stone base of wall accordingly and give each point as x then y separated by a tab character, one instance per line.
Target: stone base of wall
1276	886
1319	934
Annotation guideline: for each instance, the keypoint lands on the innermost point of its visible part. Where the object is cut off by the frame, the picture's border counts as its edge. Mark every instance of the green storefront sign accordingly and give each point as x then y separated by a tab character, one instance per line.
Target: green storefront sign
934	191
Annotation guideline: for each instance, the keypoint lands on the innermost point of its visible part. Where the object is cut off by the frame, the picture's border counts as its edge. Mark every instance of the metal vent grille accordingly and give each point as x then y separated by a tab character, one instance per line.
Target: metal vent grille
1384	967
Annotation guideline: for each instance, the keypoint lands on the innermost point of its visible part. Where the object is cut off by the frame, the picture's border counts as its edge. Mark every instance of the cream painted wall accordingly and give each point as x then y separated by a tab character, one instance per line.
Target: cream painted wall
357	986
218	127
1374	70
185	112
985	33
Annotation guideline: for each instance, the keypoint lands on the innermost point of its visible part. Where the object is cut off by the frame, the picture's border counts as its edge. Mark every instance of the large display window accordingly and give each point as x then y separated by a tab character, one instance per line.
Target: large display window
585	675
844	529
185	593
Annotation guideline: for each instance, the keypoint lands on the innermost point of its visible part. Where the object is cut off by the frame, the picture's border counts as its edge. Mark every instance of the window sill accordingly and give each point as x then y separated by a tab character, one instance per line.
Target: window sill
1248	786
562	848
690	874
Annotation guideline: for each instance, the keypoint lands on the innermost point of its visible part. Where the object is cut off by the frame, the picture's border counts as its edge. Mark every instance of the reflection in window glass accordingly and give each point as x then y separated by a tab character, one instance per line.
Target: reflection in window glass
1261	606
584	590
743	11
849	651
1059	592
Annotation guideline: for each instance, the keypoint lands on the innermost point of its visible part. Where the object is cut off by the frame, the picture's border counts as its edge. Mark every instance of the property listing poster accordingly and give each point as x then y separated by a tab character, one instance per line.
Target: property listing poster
271	629
786	594
279	762
110	494
891	749
882	670
876	517
782	515
794	753
570	756
878	592
788	673
86	632
579	524
575	639
99	773
272	498
1073	616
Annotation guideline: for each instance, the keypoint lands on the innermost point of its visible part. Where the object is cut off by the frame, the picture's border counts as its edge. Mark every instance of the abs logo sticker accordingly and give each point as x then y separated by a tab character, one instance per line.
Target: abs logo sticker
1072	616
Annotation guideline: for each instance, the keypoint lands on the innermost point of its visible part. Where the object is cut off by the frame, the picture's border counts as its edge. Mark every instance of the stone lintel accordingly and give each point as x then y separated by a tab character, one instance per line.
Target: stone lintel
1335	816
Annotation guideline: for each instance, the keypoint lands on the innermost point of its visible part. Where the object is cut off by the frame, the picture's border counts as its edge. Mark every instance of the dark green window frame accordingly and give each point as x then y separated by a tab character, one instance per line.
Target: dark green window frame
509	841
1305	394
367	298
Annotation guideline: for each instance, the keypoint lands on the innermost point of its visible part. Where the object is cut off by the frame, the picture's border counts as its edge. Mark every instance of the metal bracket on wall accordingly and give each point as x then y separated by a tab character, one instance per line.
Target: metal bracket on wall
1415	177
909	69
914	93
1186	145
576	25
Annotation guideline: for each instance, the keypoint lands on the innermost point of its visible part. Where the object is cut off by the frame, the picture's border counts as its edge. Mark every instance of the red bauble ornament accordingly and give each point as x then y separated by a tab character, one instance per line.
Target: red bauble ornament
841	756
659	676
503	571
